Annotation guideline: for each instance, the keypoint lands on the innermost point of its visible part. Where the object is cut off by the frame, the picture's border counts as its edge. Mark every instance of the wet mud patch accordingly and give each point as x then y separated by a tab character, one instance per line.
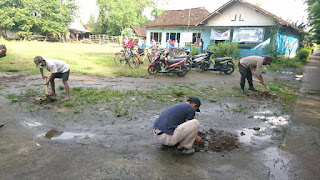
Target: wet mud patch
47	102
217	141
264	95
4	78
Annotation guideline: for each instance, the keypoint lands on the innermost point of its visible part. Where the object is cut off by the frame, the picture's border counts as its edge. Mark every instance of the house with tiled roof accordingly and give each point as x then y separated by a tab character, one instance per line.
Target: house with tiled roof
236	21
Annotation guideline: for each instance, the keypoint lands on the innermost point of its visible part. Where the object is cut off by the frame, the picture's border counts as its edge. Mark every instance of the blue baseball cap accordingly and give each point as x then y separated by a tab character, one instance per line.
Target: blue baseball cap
196	101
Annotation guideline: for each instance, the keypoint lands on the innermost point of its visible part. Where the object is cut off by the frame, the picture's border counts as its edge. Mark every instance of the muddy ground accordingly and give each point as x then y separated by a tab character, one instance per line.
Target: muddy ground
49	140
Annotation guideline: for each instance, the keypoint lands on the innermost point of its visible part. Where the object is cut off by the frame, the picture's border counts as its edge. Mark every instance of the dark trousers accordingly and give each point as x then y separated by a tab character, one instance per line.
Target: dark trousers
245	74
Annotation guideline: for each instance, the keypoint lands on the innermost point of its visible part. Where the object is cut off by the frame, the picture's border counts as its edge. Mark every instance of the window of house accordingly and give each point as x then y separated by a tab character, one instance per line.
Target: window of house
196	37
173	36
156	36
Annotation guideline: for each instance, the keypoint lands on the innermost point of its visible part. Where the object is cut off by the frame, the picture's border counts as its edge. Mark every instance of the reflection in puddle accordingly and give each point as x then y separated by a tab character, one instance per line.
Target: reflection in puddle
275	120
245	135
32	124
299	77
59	135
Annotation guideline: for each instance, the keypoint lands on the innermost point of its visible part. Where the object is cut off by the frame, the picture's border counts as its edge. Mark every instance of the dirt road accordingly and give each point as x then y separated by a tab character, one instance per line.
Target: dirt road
52	141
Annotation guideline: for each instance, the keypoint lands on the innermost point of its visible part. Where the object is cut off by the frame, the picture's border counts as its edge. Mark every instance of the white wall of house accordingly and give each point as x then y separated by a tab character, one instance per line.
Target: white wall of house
240	15
173	30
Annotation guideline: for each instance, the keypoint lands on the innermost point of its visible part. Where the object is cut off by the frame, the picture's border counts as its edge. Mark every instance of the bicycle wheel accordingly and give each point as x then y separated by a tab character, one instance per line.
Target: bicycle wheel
134	62
119	59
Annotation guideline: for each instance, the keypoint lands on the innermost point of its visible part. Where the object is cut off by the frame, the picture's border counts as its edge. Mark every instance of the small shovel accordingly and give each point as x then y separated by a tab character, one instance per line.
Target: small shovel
46	91
265	85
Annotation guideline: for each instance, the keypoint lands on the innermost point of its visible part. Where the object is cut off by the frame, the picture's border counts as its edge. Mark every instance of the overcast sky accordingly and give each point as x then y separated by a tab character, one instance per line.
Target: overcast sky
294	10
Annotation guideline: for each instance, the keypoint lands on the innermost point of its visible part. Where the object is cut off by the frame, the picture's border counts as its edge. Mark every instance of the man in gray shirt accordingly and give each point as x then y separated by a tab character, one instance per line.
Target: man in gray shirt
253	63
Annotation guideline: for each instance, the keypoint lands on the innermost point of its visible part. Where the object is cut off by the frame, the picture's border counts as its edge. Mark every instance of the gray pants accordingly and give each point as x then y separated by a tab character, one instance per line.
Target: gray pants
185	134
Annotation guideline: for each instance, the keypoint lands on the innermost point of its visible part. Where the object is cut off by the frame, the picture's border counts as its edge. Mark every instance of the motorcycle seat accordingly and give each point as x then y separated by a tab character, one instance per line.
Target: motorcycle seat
197	56
172	61
181	57
218	60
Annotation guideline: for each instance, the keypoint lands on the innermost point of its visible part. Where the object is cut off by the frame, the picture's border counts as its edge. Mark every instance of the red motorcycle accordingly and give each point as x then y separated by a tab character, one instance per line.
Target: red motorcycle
161	64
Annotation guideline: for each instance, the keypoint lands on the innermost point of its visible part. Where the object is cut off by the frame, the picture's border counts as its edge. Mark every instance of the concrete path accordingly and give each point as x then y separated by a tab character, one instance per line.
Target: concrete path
303	137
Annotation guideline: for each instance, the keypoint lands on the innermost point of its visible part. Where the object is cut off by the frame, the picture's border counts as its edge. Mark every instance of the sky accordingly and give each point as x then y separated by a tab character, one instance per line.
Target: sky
293	10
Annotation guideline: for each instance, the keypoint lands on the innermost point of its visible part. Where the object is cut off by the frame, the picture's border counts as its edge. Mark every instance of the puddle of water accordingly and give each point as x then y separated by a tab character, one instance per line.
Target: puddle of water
246	135
275	120
285	72
59	135
299	77
276	162
32	124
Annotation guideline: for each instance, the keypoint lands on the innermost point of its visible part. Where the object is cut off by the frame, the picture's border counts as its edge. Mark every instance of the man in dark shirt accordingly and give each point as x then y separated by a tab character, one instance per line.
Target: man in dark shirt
176	125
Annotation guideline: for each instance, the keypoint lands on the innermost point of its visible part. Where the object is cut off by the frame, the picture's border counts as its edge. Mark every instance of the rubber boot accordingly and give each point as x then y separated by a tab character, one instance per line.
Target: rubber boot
251	88
242	90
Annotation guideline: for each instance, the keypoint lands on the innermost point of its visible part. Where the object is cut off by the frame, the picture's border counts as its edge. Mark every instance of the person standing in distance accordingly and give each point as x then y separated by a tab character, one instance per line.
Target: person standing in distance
252	65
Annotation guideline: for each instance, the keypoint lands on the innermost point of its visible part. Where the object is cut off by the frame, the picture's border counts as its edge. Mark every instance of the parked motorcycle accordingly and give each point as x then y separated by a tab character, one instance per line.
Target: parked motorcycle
164	65
190	63
224	64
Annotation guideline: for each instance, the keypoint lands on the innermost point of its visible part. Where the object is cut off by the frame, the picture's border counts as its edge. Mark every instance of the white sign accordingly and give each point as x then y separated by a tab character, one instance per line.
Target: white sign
248	35
186	37
217	35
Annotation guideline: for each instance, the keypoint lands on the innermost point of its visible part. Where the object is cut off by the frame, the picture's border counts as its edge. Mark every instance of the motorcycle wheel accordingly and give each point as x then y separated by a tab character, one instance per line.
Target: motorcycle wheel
188	65
184	71
152	70
230	69
199	67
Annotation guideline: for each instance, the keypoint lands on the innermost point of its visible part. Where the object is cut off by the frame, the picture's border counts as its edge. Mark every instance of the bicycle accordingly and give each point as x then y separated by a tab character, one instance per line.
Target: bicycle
124	57
136	60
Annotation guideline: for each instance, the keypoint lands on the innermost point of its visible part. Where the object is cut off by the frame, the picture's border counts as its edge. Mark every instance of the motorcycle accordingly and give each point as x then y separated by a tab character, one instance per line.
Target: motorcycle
224	64
164	65
190	63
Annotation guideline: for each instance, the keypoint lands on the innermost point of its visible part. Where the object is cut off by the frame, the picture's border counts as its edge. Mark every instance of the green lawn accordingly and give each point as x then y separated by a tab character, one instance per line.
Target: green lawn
83	58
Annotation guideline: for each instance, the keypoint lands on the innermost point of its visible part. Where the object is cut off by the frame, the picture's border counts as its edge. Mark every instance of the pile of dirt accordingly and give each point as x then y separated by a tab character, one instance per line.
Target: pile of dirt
217	141
11	78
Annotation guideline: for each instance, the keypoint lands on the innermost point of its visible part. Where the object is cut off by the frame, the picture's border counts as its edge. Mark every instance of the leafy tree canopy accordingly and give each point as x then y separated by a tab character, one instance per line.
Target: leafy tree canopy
116	15
48	17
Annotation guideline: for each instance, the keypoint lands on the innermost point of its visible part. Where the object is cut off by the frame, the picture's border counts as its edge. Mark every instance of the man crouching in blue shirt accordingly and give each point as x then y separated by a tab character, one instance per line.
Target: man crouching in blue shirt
176	125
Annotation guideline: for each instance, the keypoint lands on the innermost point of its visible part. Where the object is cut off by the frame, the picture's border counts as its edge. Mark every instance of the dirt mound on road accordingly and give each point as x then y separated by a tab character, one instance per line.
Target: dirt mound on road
217	141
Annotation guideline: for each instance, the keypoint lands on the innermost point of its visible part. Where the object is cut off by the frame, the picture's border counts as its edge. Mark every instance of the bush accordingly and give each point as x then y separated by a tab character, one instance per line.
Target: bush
194	50
224	50
304	54
273	51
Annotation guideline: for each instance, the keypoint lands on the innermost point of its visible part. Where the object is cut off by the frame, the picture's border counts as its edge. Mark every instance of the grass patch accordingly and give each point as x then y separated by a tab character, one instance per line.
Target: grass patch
287	96
82	58
11	96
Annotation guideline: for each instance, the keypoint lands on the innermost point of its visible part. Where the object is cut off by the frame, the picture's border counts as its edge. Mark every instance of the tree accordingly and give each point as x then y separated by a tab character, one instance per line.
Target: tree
156	12
48	17
54	15
116	15
314	17
17	16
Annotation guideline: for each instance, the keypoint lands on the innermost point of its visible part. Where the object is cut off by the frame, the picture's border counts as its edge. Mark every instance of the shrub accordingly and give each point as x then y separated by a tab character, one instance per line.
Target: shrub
273	51
304	54
194	50
224	50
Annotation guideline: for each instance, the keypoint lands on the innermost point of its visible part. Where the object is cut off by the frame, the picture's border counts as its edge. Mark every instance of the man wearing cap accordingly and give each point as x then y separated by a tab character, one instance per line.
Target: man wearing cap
59	69
253	63
177	127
